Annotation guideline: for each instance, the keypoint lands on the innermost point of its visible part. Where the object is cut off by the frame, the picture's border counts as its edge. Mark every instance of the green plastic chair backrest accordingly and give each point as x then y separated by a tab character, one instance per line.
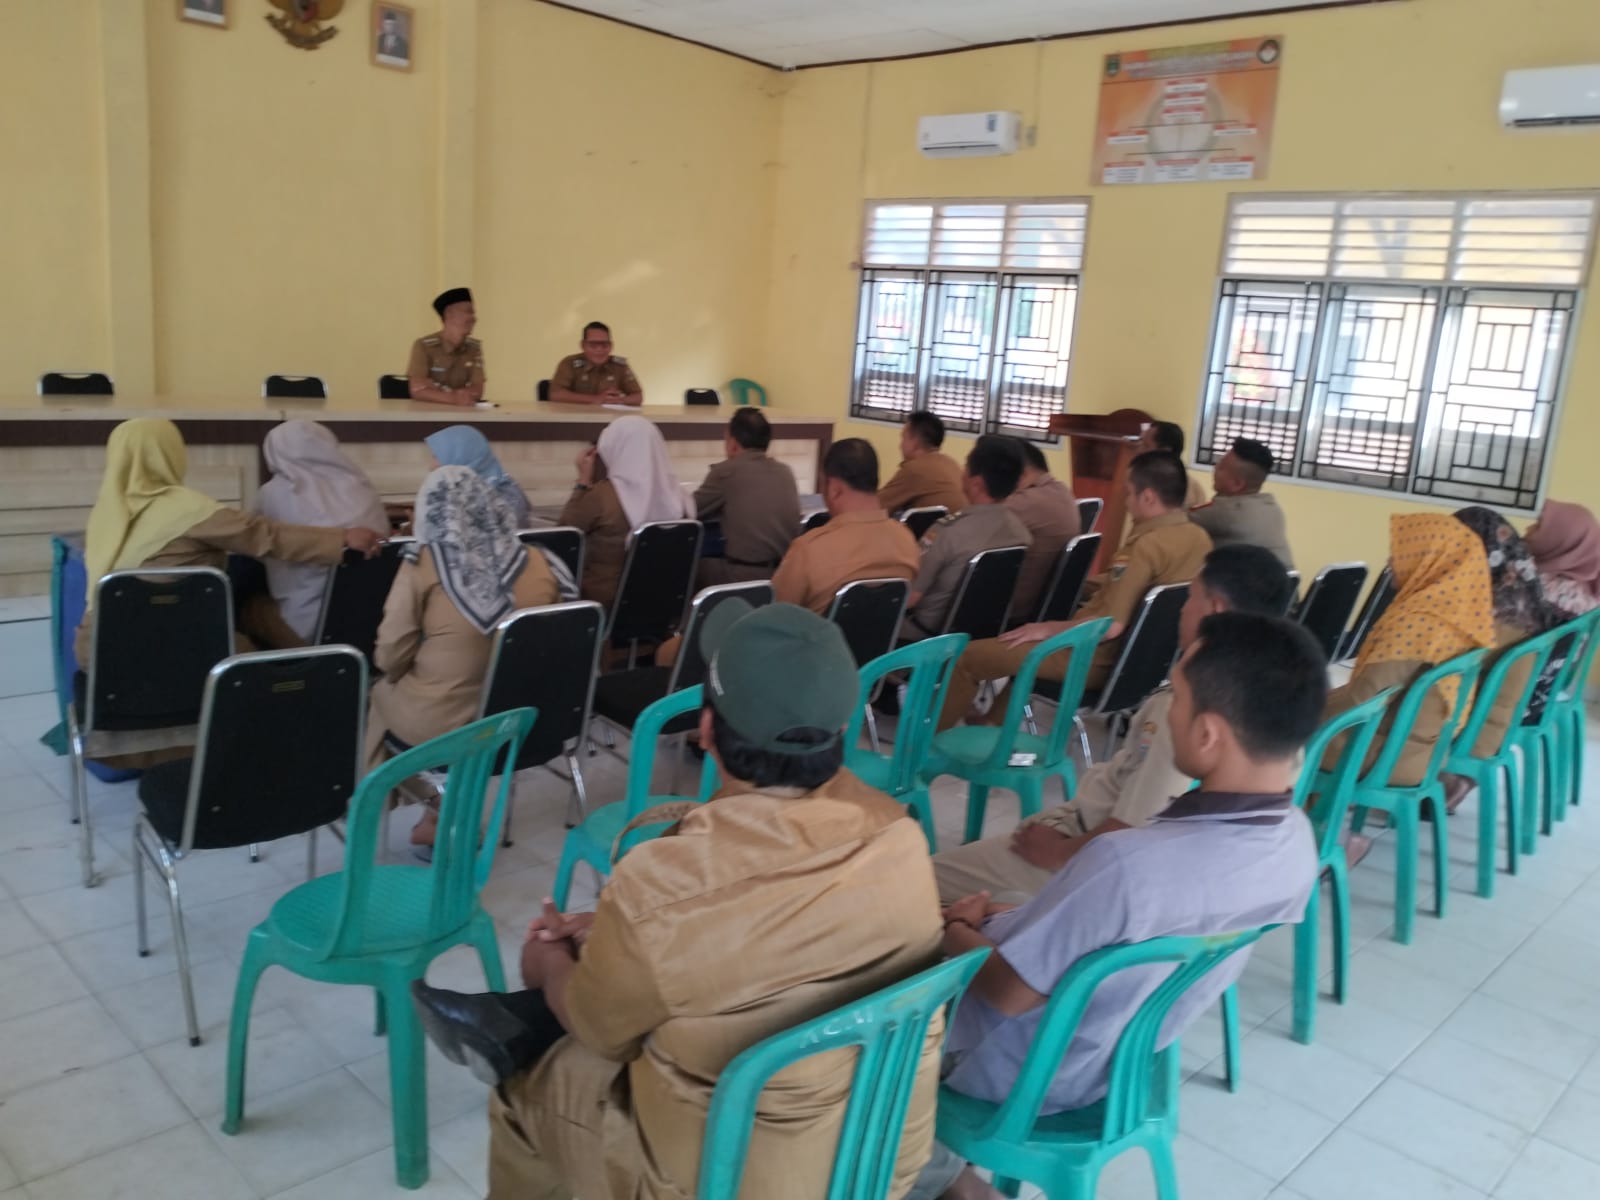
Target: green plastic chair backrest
1466	667
642	759
930	663
463	848
1575	670
890	1028
741	390
1326	795
1538	648
1081	640
1132	1075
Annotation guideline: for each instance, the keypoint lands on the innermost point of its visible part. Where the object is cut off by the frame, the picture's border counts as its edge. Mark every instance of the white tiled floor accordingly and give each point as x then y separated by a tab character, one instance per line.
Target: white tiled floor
1465	1066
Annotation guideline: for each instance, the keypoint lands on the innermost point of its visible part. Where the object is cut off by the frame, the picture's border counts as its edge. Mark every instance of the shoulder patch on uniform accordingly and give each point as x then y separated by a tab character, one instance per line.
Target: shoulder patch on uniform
576	363
473	342
619	360
432	341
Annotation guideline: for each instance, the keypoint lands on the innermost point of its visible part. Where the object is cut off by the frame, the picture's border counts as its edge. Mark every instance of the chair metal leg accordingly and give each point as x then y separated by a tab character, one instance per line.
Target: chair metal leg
578	805
1027	716
255	853
872	731
311	855
181	943
80	797
1083	738
138	894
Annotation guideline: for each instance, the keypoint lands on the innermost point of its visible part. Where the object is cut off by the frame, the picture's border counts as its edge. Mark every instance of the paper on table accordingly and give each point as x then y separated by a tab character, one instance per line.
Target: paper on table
620	407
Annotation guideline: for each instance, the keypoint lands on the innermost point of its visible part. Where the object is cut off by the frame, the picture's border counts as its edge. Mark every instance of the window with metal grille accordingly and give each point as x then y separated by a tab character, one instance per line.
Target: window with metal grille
967	310
1410	344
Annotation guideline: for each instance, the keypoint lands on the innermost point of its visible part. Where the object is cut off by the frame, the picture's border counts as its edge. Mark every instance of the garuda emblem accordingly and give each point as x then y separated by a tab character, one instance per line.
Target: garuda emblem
302	23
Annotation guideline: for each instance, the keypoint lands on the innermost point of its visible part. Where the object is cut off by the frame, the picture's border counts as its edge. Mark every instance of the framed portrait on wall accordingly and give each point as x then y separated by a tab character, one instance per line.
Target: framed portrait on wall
205	12
392	26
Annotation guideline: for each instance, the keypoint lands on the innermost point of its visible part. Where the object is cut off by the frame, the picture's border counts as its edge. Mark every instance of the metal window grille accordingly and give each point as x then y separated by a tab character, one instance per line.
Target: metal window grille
967	310
1411	344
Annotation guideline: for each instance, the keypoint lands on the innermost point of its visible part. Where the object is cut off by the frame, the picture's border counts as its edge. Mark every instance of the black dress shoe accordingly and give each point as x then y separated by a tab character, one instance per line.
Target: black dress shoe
477	1031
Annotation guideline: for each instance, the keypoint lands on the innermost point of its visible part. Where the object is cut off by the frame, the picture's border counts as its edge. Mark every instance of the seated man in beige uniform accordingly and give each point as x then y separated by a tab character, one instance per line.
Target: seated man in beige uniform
1163	547
596	376
1050	511
1242	513
927	475
603	1071
447	367
1139	781
985	523
1168	436
755	498
860	540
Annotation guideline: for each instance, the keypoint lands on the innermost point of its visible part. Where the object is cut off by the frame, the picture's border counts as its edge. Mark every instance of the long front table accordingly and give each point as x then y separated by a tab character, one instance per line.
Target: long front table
52	452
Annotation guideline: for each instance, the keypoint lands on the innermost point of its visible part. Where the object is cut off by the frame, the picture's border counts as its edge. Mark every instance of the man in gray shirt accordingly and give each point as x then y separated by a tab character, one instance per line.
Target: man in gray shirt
1233	855
1242	514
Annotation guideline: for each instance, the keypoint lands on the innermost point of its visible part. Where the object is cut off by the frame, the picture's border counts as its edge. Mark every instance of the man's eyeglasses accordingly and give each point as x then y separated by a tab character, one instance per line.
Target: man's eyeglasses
595	344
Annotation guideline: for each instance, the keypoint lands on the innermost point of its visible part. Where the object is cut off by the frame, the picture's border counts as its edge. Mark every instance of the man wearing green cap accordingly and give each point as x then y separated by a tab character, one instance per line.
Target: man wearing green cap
447	367
794	890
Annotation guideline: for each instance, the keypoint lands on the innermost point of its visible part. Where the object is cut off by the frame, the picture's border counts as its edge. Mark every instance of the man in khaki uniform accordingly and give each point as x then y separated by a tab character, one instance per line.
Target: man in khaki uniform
604	1073
1050	511
596	376
447	367
1168	436
1162	548
860	540
755	498
927	475
1242	514
1139	781
993	468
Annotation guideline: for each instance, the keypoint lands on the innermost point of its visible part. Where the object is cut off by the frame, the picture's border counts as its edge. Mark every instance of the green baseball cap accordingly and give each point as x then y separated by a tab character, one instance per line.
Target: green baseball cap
777	668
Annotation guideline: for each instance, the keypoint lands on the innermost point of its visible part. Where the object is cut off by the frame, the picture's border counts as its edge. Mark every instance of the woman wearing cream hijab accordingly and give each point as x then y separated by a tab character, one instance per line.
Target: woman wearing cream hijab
624	481
146	517
313	483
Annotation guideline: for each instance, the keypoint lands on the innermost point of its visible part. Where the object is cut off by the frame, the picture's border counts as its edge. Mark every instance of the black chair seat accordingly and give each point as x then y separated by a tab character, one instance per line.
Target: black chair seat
164	792
126	723
621	696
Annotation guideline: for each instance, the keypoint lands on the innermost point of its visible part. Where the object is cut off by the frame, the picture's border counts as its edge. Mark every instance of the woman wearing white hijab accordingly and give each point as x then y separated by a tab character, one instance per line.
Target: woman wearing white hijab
623	481
313	483
465	572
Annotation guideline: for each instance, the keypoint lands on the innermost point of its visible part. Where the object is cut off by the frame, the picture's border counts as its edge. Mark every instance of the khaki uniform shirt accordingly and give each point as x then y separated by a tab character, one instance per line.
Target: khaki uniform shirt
576	373
925	481
1050	511
674	981
433	659
758	503
441	366
1135	786
949	546
599	513
1160	550
1250	520
851	546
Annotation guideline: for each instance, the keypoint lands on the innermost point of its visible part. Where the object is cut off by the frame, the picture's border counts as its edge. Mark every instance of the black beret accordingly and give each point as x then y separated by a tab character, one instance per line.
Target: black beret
454	296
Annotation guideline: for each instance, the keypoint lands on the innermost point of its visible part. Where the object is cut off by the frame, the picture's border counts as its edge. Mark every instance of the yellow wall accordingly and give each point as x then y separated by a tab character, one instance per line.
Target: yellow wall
1391	97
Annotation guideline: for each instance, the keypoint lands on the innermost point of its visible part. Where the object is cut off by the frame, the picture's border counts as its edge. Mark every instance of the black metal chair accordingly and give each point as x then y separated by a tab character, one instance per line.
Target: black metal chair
868	612
541	391
1149	649
546	659
352	605
154	636
256	775
1291	596
983	600
564	541
701	396
1330	601
394	387
657	580
1073	564
76	383
920	520
1089	513
1378	599
621	696
815	521
294	387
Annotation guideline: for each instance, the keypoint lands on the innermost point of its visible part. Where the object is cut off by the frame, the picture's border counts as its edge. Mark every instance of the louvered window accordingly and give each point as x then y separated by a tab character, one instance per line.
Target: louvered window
1408	343
967	310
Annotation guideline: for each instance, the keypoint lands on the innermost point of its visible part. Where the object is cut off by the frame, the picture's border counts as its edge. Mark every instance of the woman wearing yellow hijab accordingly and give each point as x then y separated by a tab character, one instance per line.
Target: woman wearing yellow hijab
146	517
1443	607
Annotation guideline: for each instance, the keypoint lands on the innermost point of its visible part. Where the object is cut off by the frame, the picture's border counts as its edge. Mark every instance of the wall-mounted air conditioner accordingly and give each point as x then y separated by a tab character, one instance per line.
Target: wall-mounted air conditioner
966	135
1551	96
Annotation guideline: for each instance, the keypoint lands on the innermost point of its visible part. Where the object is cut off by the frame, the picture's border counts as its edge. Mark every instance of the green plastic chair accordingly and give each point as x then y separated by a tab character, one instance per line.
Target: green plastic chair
742	389
1326	797
986	756
592	841
1488	771
1403	803
1552	745
380	926
899	773
889	1027
1064	1153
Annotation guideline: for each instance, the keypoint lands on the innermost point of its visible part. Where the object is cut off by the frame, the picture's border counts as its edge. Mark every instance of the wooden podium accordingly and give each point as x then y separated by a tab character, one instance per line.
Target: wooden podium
1102	447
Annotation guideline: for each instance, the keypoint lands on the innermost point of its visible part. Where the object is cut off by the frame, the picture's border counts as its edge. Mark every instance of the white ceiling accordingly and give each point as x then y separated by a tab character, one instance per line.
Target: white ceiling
792	33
